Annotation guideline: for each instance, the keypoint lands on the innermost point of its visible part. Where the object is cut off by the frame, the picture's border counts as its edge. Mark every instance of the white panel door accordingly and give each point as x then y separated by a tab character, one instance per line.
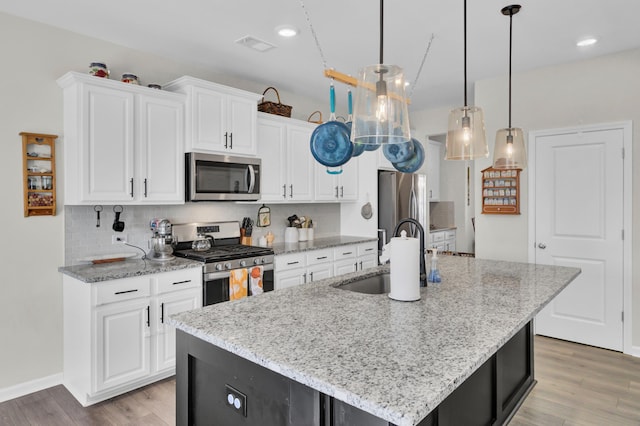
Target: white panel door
241	125
300	163
578	223
272	144
122	343
208	120
108	150
161	150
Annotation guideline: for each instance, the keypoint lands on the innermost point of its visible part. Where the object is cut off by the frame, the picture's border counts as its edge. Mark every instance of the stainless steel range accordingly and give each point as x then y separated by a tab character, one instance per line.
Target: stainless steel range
225	256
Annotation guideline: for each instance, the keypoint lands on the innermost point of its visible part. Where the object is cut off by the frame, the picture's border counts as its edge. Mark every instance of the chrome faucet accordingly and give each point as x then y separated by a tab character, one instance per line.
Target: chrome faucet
423	268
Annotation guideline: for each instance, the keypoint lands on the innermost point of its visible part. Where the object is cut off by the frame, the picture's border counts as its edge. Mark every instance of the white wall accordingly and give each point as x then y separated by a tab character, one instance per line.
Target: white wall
600	90
33	57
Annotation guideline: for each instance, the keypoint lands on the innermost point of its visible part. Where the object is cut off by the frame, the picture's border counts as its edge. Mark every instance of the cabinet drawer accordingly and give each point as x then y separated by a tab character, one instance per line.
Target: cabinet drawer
179	280
449	235
319	256
368	248
124	289
344	252
437	237
289	261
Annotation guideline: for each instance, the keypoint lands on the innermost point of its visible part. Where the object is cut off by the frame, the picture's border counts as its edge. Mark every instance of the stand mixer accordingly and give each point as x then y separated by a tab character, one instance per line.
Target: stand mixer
162	241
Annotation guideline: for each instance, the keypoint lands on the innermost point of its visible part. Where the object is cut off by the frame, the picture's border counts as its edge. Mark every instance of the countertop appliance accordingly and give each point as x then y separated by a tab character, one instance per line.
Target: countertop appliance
225	255
212	177
161	242
401	196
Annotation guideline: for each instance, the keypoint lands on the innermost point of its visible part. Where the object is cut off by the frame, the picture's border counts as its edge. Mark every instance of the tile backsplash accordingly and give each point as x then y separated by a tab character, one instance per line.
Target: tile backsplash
83	238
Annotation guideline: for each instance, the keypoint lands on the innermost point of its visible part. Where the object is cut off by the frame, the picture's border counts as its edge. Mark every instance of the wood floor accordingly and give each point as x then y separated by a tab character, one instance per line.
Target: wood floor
577	385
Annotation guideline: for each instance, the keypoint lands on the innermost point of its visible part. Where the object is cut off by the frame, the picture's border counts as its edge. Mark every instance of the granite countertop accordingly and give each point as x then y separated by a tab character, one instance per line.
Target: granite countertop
91	273
395	360
319	243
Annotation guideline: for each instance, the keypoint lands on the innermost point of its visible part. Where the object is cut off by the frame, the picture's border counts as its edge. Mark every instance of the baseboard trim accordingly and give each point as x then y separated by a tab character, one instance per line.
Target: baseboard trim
635	351
26	388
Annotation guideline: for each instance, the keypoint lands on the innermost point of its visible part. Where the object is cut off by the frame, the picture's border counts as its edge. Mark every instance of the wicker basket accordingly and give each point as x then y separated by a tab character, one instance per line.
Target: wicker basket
272	107
319	120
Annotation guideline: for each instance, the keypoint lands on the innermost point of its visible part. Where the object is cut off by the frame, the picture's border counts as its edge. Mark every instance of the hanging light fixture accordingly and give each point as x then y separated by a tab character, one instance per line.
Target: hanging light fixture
466	138
380	113
509	151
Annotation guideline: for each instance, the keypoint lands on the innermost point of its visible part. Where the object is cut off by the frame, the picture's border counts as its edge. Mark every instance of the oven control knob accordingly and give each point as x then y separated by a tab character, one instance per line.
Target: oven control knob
257	261
219	267
227	265
243	263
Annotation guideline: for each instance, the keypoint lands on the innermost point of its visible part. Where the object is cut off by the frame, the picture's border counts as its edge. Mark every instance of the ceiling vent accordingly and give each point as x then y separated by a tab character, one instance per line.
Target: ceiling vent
255	44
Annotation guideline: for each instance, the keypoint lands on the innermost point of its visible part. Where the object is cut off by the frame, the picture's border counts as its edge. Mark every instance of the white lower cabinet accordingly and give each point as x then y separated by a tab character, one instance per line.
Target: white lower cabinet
303	267
115	333
443	240
355	257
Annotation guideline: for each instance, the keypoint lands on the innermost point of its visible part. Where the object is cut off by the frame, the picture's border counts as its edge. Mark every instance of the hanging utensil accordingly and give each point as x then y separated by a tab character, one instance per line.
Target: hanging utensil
358	148
97	209
330	144
414	162
118	225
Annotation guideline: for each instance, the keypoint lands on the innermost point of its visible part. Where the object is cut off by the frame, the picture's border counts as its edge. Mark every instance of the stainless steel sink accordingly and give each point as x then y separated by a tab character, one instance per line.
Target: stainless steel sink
377	284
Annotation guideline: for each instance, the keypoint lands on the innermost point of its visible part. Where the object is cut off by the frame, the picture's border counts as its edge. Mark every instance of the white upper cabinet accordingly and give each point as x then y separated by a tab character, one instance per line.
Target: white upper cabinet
337	187
287	164
123	143
220	119
434	154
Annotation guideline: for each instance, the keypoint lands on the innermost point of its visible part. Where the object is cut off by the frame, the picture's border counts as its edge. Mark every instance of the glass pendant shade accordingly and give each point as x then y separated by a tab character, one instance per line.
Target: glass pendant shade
465	138
509	151
380	113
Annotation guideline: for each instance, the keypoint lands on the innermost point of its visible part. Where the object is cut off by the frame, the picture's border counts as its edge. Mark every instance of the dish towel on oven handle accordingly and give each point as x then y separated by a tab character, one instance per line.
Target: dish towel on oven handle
238	283
255	280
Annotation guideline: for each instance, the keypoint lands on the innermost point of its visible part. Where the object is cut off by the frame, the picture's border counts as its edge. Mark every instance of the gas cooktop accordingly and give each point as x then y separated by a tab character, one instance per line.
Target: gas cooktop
222	253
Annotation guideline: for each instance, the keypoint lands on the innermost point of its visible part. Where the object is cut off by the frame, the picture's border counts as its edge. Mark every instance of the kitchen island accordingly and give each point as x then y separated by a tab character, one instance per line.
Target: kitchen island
317	354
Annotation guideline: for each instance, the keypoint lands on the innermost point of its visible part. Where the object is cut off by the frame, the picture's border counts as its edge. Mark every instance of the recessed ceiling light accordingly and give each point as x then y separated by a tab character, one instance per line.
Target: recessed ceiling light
286	31
590	41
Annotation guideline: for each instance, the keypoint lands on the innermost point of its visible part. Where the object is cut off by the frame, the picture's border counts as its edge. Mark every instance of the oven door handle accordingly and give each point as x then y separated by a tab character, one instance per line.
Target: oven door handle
212	276
252	178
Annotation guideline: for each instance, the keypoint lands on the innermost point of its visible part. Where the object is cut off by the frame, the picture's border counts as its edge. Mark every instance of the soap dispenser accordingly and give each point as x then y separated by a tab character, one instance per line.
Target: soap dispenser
434	272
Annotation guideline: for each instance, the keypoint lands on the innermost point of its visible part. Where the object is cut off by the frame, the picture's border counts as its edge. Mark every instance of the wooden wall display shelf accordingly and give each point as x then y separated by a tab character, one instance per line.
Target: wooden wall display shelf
39	174
500	191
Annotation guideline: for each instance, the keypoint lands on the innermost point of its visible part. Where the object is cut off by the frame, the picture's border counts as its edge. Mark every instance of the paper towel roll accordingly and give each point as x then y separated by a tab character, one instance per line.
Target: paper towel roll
405	269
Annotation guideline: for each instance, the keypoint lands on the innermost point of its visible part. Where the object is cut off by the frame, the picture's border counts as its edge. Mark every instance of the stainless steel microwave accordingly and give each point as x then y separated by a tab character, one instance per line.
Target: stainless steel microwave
212	177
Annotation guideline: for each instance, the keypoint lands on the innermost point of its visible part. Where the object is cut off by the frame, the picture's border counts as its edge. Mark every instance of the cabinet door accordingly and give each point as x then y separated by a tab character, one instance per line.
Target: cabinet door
319	272
241	125
122	343
369	261
289	278
208	120
326	186
161	150
272	151
299	164
165	306
107	145
348	188
344	266
434	153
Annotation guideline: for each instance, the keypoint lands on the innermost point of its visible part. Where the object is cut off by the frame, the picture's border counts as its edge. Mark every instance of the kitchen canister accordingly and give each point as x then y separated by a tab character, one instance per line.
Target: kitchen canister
404	253
130	78
98	69
303	235
290	234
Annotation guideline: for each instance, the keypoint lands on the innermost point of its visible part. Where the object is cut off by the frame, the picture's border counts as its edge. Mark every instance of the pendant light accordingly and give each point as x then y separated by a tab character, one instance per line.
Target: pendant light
380	113
509	151
466	137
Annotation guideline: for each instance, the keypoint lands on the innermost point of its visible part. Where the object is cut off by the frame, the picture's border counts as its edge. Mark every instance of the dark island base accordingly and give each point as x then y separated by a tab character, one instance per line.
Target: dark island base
206	375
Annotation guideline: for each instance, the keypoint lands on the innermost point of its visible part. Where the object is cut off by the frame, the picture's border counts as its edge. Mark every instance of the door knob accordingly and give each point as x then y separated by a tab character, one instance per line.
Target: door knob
542	246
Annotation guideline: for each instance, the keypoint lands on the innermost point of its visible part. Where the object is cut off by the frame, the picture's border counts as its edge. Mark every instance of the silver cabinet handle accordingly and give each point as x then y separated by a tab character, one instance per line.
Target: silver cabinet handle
231	140
361	265
311	275
226	136
284	191
305	277
336	192
542	246
342	192
131	183
291	191
145	187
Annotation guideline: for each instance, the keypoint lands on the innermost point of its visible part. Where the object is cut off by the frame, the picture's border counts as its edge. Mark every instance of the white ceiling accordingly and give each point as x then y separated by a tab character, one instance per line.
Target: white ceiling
203	32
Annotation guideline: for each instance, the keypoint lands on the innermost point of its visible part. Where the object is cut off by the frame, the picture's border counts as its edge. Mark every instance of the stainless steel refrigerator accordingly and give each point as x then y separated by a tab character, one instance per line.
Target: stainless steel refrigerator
401	195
